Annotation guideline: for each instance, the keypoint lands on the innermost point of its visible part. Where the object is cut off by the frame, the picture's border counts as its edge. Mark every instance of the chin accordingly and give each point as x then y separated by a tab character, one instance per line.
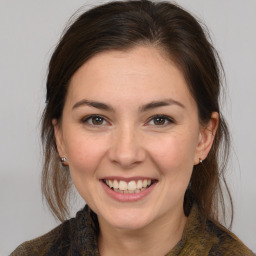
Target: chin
131	224
127	219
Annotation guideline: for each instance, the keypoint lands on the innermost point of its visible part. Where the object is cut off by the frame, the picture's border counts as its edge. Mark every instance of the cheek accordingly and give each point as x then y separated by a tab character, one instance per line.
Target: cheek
85	153
174	154
174	159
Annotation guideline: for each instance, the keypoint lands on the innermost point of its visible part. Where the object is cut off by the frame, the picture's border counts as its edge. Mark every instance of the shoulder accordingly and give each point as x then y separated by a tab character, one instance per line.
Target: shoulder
77	236
55	242
227	243
209	238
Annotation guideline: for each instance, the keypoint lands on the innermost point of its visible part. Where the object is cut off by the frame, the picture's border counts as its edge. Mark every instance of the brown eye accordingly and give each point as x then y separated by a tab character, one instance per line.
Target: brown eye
95	120
160	120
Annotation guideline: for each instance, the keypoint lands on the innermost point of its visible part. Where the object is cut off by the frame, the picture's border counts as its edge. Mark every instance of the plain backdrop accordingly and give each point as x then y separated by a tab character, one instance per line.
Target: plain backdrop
29	32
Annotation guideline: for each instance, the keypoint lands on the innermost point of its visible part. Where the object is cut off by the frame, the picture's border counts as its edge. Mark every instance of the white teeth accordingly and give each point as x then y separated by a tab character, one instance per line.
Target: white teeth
139	184
122	185
129	187
144	183
132	185
115	184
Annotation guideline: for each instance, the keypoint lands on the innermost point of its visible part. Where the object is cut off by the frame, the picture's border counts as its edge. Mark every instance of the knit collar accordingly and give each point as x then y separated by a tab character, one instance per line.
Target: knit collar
86	235
195	239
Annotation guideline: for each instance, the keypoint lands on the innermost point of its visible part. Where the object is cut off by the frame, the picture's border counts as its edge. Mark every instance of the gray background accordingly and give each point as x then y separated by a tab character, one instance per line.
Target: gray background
29	31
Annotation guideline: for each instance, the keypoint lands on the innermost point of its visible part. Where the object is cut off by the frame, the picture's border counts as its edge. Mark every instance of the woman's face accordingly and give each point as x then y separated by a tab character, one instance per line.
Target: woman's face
130	122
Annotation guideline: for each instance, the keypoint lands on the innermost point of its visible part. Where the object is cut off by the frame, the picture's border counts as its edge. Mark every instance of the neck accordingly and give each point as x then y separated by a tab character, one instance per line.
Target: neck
157	238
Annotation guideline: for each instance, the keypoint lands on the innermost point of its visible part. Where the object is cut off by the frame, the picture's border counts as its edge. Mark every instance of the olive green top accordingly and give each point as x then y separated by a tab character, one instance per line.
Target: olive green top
78	237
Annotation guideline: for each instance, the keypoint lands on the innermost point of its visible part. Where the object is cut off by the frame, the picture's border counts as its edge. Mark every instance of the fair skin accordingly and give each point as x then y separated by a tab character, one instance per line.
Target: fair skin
146	129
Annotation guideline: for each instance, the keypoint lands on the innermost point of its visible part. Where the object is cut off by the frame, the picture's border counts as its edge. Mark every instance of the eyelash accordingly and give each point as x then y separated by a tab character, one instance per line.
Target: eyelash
164	117
86	119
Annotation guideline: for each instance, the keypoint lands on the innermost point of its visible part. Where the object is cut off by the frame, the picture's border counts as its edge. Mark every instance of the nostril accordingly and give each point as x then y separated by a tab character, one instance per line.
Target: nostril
126	148
127	157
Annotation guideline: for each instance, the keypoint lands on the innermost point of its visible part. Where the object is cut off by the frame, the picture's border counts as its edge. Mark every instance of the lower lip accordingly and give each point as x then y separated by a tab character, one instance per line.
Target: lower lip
122	197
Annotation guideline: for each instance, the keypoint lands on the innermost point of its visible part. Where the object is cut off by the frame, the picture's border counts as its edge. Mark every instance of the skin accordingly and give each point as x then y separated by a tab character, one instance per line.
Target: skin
128	142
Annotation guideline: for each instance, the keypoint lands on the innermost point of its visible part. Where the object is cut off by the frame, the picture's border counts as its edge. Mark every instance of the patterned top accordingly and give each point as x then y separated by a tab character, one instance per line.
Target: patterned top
78	237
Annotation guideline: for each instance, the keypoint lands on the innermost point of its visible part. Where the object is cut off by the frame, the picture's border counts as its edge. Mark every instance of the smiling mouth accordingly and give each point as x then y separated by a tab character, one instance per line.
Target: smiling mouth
131	187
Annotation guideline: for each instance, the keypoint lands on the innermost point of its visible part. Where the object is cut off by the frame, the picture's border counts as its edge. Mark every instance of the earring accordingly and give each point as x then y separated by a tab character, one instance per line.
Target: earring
200	161
64	161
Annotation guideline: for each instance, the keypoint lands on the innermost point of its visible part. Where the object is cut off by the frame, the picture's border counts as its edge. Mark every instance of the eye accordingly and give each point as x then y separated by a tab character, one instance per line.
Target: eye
95	120
160	120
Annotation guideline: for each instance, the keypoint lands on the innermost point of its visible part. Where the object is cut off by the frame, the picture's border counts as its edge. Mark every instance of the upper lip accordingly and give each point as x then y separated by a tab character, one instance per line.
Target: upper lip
127	179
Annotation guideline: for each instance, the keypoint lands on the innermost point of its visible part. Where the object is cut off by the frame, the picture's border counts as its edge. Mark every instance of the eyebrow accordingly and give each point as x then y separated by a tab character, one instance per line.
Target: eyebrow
144	108
94	104
162	103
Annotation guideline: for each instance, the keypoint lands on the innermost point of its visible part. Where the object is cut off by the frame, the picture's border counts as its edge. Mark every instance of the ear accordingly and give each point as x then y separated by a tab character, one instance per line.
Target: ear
59	138
206	138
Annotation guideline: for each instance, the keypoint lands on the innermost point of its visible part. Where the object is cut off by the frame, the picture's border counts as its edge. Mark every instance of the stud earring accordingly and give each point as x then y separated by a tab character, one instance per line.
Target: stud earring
200	161
64	161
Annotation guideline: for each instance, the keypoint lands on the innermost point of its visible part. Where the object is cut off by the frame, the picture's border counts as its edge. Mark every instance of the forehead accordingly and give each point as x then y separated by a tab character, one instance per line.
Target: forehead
142	73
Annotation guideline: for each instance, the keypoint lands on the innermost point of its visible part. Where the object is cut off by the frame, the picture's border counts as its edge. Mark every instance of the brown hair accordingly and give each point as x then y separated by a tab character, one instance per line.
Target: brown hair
121	26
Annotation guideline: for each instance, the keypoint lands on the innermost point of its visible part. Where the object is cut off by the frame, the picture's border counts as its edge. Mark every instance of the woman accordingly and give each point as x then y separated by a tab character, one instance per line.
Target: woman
132	118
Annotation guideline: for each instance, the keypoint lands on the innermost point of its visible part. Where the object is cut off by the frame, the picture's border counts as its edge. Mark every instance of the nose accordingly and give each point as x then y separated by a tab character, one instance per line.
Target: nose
126	148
